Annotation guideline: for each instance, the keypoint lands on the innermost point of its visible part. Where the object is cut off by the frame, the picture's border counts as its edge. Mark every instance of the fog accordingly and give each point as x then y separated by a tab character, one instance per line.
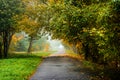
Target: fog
56	45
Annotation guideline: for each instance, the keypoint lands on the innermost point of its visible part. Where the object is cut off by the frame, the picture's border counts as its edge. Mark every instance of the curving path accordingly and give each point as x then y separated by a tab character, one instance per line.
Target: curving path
60	68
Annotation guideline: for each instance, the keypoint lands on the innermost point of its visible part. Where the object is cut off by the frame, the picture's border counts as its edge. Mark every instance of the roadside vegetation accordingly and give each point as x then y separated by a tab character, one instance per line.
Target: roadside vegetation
20	66
98	71
90	28
73	55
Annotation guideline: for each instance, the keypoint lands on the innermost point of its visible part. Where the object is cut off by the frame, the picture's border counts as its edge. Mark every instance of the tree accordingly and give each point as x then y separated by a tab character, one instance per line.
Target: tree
9	10
33	20
65	22
93	23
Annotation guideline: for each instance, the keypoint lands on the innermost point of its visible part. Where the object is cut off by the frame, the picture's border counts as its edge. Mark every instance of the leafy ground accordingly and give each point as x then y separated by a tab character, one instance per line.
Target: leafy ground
20	66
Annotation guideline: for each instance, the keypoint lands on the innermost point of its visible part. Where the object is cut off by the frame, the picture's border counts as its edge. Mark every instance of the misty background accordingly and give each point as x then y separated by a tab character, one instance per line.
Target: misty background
20	43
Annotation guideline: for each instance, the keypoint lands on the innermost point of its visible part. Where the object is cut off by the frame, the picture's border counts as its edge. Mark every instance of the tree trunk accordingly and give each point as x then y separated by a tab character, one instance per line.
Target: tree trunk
30	45
1	41
5	44
7	36
86	50
0	50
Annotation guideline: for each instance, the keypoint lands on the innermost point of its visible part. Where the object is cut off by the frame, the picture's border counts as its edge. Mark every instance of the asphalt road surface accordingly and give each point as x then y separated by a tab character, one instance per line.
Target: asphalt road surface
60	68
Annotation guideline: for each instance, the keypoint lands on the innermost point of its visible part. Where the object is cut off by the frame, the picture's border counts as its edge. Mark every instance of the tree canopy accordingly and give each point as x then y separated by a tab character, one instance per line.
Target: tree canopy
93	23
89	27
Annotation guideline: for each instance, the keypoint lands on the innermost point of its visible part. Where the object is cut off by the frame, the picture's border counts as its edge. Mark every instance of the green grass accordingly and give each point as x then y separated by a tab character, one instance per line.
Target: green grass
20	66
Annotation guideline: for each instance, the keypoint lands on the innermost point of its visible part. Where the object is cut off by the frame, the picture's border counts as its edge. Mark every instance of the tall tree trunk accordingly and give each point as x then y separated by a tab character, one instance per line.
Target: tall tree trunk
0	46
7	36
5	44
86	50
0	50
1	41
30	45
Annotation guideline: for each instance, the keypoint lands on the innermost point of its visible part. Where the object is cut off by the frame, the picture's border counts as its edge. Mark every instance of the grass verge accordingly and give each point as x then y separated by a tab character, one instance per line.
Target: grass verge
20	66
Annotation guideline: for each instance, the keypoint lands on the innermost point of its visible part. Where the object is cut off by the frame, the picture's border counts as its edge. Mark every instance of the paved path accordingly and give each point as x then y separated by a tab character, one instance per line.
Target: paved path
60	68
